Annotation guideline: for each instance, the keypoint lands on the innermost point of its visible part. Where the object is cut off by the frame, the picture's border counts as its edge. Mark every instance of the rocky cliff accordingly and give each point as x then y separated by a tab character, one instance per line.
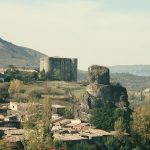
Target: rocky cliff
100	90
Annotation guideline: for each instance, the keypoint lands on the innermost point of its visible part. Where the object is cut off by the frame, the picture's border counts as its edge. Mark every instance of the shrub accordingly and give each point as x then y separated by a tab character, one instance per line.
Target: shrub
35	94
15	86
4	94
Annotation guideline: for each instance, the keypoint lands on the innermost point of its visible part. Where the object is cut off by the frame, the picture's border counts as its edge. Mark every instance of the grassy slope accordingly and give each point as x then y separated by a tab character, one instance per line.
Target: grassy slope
132	82
57	89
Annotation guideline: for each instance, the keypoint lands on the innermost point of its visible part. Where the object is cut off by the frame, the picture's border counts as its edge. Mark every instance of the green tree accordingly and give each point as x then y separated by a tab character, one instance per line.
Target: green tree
125	114
33	141
43	75
46	119
12	72
33	117
59	145
119	127
4	94
84	146
69	113
35	95
102	117
38	123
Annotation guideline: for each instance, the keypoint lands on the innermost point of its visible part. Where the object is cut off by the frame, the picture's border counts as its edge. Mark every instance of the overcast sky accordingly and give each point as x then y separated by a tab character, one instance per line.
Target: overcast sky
103	32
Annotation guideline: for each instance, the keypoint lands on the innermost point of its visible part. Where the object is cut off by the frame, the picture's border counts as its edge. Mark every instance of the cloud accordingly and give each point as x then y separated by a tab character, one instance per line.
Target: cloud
80	29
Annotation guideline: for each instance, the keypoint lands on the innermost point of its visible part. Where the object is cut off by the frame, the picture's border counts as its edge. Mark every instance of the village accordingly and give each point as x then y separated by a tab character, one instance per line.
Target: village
63	129
70	103
14	114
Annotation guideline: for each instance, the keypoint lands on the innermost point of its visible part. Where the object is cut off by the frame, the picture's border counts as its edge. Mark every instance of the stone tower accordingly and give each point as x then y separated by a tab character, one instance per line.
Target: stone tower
44	64
59	68
100	90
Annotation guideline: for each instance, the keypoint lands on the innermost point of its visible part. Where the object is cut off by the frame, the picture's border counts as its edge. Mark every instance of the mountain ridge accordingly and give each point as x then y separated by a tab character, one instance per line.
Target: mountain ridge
11	54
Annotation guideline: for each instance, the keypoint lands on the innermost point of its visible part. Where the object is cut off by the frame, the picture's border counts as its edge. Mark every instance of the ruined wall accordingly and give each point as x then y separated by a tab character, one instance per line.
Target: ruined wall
98	75
59	68
100	91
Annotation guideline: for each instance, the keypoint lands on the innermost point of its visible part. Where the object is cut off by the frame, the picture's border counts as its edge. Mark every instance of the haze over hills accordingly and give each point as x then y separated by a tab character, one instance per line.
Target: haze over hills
11	54
139	70
129	70
130	81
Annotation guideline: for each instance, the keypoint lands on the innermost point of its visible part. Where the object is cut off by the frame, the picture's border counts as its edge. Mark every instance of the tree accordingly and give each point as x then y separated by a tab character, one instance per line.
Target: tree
38	123
46	119
69	113
33	141
3	145
35	95
12	72
84	146
4	94
33	117
15	86
59	145
141	126
125	114
43	75
102	117
119	127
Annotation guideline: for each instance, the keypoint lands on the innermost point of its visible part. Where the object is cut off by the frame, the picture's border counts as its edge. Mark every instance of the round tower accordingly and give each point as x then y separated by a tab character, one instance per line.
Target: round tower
44	64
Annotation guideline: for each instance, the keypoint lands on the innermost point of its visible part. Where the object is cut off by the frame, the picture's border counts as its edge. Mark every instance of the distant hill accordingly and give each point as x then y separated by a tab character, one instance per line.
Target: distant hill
11	54
137	70
140	70
82	75
130	81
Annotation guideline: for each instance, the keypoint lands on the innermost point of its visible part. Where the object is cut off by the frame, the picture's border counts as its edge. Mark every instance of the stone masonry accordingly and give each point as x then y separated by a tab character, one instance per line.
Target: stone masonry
59	68
100	89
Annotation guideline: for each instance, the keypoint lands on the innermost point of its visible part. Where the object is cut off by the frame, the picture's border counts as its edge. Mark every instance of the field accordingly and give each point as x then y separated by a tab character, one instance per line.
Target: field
60	92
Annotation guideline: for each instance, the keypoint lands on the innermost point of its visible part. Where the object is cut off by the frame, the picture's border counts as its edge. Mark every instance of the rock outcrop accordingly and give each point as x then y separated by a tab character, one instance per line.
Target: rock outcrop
98	75
100	90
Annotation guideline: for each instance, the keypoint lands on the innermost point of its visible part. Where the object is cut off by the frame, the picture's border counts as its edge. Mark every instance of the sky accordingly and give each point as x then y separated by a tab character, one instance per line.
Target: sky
102	32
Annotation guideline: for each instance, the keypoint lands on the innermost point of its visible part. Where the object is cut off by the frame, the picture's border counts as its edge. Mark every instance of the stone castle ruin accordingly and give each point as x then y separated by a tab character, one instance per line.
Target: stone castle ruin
100	91
59	68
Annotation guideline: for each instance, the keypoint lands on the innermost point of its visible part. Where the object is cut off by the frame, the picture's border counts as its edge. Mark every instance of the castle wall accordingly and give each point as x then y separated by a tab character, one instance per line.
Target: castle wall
44	64
59	68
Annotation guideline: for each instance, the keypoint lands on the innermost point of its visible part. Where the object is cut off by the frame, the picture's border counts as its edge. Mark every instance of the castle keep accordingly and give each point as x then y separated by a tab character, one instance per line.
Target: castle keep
59	68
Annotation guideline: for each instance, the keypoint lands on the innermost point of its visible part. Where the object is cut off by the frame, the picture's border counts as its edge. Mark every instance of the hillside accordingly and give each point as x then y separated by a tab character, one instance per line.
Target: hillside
11	54
130	81
139	70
